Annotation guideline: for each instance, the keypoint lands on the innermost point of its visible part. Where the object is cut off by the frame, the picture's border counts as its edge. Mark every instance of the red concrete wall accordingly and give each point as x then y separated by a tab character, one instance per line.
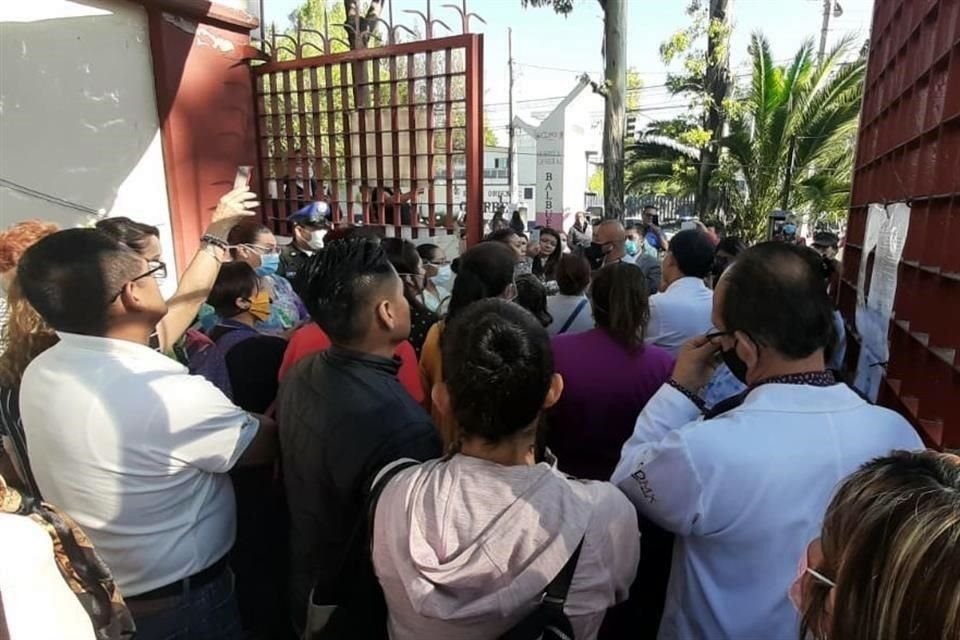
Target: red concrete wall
909	150
205	102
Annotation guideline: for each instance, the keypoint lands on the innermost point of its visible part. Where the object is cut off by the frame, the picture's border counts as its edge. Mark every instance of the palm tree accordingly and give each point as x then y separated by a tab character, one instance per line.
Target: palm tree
793	124
792	143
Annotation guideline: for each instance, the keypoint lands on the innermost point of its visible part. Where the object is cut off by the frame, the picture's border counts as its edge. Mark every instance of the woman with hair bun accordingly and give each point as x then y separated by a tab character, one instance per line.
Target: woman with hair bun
465	546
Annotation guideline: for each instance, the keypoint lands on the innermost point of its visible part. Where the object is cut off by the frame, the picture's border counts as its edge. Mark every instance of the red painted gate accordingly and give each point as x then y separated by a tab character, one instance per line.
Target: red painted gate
386	135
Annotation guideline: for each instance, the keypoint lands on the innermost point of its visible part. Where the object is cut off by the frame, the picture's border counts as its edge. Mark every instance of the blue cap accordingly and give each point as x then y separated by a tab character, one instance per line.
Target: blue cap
315	214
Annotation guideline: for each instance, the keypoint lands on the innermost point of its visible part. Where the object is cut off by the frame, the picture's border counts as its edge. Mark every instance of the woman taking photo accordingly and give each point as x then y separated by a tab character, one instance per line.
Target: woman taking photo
610	375
465	546
887	563
485	271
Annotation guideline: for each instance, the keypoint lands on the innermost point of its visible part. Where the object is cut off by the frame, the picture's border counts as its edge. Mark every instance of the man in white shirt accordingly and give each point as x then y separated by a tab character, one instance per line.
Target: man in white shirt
129	444
683	309
745	491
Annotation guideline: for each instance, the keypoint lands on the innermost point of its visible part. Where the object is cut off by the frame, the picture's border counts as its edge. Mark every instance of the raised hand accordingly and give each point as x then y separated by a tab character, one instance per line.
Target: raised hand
233	207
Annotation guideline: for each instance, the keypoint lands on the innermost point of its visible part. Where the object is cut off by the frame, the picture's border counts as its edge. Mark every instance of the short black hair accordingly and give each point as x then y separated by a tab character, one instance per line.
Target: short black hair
497	365
776	295
532	296
573	274
342	280
428	252
245	232
731	245
71	278
402	254
693	251
502	235
618	297
484	271
133	234
235	280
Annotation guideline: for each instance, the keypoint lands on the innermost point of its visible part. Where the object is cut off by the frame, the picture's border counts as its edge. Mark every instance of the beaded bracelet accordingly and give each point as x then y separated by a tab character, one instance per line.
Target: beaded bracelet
691	396
215	241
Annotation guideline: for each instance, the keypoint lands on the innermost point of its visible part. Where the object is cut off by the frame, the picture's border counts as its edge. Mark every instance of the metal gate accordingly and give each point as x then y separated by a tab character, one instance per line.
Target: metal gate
385	135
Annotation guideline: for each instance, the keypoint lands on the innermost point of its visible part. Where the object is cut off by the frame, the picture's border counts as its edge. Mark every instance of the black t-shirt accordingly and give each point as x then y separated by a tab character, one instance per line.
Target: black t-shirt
253	366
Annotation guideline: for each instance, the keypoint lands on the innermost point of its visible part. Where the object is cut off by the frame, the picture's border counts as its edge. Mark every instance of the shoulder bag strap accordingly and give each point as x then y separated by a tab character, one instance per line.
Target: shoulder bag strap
555	595
356	541
573	316
10	414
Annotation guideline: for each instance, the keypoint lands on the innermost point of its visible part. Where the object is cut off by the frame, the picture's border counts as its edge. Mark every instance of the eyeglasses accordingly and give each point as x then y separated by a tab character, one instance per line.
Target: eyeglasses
263	251
156	268
437	263
819	577
717	334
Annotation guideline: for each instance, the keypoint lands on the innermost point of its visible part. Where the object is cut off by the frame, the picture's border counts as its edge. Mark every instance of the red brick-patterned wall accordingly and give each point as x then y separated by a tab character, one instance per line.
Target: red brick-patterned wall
909	150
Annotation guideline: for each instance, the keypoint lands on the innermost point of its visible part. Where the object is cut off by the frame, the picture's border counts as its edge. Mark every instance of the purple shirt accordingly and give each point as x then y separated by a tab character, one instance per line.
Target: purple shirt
605	389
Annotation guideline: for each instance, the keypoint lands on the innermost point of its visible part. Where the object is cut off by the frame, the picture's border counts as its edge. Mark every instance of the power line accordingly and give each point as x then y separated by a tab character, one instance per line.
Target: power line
40	195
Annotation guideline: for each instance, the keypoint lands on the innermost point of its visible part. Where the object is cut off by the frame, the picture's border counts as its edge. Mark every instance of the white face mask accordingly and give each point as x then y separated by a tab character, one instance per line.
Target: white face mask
316	239
444	276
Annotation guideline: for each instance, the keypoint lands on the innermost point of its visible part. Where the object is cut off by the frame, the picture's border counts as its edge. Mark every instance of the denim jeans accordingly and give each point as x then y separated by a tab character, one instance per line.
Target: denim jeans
207	613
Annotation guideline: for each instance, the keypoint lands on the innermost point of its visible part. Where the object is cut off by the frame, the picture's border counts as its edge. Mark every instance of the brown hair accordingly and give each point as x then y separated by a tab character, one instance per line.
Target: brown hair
891	540
618	297
573	274
25	335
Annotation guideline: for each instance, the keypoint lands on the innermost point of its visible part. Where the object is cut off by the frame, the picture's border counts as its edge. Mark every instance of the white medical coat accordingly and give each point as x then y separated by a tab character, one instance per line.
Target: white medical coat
679	313
745	493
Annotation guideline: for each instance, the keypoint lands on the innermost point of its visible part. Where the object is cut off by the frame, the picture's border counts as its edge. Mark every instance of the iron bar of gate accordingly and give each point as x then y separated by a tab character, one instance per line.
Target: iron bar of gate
394	129
448	140
474	126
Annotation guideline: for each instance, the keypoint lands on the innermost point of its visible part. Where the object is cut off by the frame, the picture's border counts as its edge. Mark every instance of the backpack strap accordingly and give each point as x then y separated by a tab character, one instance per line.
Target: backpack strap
555	595
573	316
380	481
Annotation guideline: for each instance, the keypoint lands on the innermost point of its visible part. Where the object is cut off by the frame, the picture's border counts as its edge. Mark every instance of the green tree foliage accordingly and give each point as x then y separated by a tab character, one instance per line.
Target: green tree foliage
798	119
595	184
800	115
685	166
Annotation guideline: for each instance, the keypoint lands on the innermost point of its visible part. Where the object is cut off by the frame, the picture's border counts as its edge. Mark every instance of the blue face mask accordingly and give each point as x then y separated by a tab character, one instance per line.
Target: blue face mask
789	229
268	264
632	247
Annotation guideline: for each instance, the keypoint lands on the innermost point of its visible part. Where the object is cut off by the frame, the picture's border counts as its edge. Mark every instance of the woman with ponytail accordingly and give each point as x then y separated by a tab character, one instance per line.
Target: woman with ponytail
485	271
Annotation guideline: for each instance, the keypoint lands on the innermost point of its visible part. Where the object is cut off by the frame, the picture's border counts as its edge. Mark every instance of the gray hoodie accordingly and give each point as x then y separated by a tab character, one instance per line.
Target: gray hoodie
464	547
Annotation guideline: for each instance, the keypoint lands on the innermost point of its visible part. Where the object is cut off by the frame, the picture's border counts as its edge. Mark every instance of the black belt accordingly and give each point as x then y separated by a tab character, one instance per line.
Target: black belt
177	588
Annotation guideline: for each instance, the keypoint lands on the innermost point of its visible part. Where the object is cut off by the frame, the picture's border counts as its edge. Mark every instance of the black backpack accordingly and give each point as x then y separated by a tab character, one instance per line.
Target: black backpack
548	621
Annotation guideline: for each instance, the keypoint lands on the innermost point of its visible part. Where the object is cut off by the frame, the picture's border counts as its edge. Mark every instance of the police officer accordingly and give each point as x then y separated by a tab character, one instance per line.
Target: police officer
310	225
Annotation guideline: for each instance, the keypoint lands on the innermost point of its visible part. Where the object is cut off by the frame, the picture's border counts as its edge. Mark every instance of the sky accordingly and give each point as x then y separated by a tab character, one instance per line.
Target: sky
551	51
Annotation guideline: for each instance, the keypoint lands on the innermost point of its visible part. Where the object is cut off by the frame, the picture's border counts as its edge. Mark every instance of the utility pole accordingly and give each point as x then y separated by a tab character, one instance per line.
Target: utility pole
614	116
512	152
829	6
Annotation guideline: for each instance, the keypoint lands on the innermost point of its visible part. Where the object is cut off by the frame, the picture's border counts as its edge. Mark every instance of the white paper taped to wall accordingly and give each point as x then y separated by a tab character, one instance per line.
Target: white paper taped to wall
886	231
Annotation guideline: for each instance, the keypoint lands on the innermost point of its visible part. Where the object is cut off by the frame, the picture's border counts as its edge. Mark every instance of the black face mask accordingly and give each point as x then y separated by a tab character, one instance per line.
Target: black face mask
594	255
736	364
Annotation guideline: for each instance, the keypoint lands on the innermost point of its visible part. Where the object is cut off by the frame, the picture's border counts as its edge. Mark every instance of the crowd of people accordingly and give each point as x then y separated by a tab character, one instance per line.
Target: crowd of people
597	433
